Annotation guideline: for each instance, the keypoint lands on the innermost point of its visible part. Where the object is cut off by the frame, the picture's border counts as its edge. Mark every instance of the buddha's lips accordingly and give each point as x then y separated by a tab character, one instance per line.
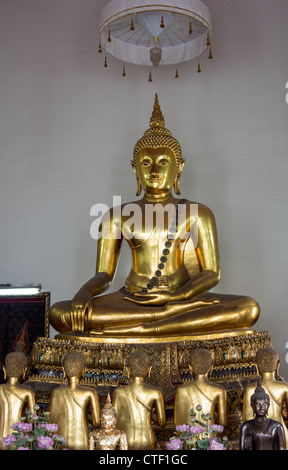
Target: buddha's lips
155	179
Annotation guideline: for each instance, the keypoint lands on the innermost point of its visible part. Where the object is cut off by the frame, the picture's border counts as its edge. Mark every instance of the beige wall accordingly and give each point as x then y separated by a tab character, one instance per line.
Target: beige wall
68	127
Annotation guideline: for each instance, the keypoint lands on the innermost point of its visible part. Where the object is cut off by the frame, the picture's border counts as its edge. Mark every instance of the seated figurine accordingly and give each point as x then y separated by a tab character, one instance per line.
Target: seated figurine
261	433
174	264
69	404
134	405
201	391
107	437
15	397
267	361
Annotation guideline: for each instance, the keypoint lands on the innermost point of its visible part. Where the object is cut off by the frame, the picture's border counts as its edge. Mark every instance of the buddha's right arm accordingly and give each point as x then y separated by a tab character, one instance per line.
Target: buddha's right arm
108	251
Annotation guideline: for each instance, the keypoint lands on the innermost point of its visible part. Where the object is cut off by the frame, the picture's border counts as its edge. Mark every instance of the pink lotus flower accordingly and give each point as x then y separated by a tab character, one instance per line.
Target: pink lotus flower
23	427
9	440
175	444
215	445
217	427
197	429
182	427
45	443
51	427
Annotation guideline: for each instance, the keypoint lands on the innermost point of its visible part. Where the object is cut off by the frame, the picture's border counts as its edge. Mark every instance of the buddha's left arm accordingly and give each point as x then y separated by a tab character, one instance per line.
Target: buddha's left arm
207	254
222	408
160	410
95	409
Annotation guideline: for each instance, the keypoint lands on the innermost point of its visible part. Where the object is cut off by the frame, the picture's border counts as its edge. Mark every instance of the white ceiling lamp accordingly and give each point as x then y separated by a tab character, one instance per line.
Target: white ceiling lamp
159	32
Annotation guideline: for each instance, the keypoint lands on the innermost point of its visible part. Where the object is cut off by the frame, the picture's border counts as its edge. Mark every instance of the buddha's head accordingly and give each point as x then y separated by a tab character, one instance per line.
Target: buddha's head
74	365
108	415
139	364
267	360
201	361
260	400
157	159
15	365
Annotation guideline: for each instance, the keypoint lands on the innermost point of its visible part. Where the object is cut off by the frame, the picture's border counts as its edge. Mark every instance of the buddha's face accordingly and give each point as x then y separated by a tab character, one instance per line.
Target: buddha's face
157	169
108	421
261	407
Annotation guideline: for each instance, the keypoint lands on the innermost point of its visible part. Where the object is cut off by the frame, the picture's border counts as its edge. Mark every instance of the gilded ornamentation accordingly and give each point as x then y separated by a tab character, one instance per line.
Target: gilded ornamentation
107	437
135	404
14	396
69	404
174	266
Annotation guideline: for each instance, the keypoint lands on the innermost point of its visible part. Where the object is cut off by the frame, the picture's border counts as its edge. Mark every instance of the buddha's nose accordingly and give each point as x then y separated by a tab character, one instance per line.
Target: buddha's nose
154	172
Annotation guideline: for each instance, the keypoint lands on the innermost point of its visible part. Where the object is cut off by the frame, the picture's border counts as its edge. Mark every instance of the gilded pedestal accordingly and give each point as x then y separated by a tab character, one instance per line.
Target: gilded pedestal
233	358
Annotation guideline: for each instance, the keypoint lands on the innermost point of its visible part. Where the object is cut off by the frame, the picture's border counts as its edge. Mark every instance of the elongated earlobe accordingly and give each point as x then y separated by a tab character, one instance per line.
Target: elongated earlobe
177	185
139	187
177	179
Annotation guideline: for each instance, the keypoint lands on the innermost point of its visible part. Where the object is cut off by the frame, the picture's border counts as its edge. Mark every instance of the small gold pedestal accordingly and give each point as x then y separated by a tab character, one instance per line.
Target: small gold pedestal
233	366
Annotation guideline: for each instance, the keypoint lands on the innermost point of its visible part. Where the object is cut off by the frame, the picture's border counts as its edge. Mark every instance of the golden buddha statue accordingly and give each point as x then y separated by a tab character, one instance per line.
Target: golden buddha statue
69	404
201	392
267	361
15	397
134	405
174	263
261	432
107	437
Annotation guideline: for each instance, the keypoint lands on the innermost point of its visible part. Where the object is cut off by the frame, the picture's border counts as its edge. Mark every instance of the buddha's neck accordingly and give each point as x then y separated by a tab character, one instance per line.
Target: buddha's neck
138	380
268	375
163	196
201	378
12	380
73	382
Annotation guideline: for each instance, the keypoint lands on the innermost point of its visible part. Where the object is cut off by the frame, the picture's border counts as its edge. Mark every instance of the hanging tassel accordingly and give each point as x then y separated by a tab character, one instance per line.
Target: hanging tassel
109	36
124	72
176	74
199	68
208	43
150	77
190	28
162	25
132	25
100	48
210	54
105	62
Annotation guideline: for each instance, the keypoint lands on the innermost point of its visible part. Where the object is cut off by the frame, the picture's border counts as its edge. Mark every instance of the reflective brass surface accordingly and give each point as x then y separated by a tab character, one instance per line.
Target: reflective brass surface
134	405
176	300
200	392
107	437
15	397
69	404
267	361
261	432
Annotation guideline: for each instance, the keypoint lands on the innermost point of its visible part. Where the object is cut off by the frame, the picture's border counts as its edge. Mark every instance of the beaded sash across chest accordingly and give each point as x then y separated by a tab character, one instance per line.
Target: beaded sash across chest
158	278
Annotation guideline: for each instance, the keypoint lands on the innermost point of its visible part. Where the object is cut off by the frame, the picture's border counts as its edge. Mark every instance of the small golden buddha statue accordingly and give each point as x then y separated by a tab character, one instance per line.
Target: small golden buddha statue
69	404
267	361
15	397
174	263
107	437
261	432
134	405
200	392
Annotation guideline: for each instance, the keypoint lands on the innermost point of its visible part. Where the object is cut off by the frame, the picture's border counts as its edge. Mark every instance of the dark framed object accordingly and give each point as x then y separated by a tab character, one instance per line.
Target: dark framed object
23	318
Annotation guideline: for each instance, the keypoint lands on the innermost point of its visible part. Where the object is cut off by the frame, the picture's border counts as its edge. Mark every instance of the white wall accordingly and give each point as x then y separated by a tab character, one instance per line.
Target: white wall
68	127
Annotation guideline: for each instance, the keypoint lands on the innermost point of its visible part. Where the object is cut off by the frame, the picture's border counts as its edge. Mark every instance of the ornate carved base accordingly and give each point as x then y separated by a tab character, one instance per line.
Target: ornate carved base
233	357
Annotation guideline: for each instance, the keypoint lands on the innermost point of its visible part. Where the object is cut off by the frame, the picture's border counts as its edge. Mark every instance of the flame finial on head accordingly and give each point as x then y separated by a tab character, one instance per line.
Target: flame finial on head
158	136
157	119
